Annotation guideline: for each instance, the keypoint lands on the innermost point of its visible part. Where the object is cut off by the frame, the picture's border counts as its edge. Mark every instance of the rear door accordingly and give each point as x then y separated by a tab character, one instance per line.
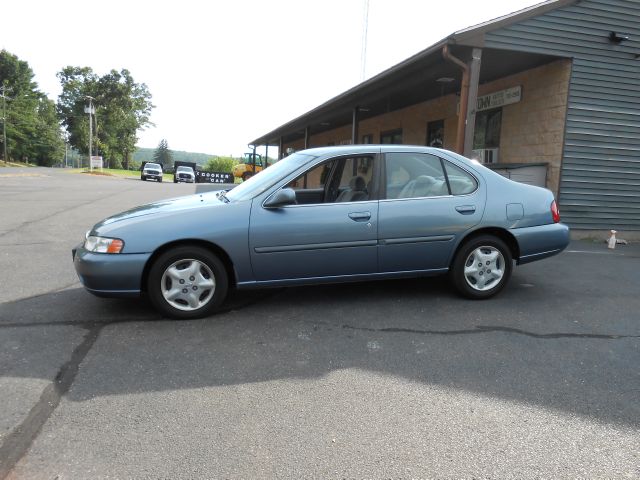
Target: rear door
427	204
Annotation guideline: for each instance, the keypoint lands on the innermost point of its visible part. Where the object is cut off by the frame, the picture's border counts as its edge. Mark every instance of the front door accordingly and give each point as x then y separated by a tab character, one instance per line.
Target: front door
331	232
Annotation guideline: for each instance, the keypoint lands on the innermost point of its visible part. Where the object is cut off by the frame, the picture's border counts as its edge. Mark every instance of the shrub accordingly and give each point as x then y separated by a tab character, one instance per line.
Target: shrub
220	164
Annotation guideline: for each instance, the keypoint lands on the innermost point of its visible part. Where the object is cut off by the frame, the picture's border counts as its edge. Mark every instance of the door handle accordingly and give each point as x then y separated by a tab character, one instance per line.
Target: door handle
360	216
466	209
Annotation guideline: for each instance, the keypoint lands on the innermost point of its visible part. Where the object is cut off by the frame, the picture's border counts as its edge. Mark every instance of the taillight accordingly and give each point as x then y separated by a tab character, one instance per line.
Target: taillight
555	212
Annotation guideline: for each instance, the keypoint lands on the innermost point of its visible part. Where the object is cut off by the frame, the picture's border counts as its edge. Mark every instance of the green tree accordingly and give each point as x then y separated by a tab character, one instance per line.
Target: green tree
122	108
163	155
220	164
33	131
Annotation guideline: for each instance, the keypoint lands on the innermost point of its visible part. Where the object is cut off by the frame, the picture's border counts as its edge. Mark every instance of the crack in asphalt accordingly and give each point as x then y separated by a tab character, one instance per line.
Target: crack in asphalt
489	329
18	442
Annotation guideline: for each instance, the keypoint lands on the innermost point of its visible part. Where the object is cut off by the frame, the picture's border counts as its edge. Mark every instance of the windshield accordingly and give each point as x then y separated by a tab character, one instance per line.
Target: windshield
152	166
185	169
268	177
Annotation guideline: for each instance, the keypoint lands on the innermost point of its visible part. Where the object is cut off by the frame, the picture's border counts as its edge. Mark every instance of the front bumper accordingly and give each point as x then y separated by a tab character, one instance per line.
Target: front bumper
110	275
542	241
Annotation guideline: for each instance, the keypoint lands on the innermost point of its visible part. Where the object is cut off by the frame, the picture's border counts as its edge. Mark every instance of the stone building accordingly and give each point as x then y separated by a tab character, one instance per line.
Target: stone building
548	95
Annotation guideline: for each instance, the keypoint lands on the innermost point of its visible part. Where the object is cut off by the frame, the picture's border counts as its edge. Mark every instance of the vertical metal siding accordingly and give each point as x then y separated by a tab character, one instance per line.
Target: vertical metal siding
600	176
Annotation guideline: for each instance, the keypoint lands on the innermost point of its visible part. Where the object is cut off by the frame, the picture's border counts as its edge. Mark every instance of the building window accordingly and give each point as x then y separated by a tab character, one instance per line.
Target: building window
487	132
435	134
393	137
367	139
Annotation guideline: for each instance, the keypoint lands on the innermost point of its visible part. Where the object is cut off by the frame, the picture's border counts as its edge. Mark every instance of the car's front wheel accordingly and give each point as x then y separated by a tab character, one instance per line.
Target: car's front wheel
187	282
482	267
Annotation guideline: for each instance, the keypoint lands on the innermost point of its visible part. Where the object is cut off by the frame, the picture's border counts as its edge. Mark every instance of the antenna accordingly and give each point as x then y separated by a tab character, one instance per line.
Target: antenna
363	51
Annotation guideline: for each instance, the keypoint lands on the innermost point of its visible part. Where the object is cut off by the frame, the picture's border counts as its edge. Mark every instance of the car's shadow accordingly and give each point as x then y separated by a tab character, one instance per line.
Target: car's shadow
532	344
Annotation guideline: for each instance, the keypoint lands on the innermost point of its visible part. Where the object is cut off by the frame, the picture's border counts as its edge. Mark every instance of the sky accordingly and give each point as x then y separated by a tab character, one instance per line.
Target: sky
222	73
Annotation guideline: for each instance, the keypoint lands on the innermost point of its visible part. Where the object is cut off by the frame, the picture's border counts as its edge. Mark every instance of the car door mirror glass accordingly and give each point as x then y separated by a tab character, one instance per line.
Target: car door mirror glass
283	197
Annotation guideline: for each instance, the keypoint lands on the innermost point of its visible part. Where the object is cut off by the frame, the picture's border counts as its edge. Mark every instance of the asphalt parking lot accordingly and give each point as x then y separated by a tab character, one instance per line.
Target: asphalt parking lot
393	379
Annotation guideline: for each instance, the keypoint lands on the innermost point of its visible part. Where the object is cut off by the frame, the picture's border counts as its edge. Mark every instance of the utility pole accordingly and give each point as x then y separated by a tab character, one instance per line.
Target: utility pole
4	91
90	111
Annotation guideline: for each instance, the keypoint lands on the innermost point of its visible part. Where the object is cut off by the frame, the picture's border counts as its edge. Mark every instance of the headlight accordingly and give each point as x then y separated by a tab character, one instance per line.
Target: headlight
103	245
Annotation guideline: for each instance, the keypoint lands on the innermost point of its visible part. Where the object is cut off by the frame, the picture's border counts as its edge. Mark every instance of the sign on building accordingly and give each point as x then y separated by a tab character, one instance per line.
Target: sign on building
499	99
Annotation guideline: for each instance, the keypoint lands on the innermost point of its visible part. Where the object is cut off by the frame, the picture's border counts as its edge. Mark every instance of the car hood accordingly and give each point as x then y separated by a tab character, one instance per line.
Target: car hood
164	206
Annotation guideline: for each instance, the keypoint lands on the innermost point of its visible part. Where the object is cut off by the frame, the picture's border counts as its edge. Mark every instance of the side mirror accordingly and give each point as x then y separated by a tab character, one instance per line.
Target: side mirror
285	196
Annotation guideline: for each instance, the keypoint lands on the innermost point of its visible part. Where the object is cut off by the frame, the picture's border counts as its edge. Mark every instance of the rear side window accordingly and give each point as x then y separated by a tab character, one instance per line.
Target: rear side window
461	182
414	175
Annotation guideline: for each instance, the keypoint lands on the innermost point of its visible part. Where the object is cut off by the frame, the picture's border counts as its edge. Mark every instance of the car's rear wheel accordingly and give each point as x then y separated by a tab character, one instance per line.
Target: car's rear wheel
187	282
482	267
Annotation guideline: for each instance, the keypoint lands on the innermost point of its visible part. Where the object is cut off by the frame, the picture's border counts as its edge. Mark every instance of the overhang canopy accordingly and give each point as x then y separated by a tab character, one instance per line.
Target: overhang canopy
415	80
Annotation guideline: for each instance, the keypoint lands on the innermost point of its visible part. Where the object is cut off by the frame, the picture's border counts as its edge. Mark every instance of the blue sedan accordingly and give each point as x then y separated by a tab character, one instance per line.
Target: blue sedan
324	215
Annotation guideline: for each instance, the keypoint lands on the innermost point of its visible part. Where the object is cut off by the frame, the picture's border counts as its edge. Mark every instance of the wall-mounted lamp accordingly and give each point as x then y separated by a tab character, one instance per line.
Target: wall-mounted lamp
618	37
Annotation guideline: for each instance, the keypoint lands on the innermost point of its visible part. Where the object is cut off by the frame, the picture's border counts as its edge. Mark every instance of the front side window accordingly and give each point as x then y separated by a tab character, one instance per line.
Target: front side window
346	179
314	179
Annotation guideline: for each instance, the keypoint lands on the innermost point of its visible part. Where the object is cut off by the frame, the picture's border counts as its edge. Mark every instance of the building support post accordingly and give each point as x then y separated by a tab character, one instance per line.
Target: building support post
307	135
253	160
472	103
280	147
266	155
354	127
464	98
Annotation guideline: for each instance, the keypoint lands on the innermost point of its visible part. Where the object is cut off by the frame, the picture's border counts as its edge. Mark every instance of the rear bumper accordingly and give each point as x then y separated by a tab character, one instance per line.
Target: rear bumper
542	241
110	275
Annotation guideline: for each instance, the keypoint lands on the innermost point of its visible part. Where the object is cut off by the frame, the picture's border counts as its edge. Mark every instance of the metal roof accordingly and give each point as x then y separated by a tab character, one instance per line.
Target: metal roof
414	79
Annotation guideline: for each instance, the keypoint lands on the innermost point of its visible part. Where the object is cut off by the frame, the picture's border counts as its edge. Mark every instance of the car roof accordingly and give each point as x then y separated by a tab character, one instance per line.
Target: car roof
368	148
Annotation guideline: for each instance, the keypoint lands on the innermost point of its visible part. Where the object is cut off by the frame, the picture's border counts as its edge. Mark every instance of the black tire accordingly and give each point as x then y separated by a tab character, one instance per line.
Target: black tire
246	176
175	181
142	178
181	259
470	284
160	180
